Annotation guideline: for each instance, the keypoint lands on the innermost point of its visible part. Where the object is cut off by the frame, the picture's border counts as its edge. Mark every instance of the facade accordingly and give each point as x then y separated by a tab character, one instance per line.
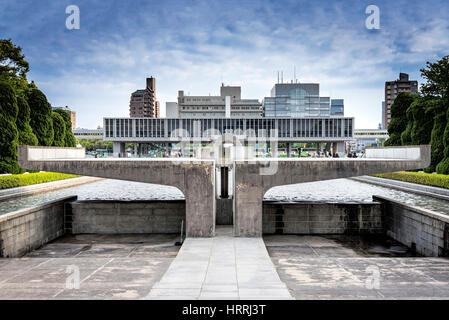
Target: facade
171	110
383	116
368	138
143	102
228	104
71	113
337	107
393	88
204	129
88	134
297	100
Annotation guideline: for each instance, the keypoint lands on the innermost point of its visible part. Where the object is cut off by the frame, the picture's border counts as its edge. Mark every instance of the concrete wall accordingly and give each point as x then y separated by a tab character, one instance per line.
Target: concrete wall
195	178
405	152
425	230
224	214
321	218
121	217
25	230
252	179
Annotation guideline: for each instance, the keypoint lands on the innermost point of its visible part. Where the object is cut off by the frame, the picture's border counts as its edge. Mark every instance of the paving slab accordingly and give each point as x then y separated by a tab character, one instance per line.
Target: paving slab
223	267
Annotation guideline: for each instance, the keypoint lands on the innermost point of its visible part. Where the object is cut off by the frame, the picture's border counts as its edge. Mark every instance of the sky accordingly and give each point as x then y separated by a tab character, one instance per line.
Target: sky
195	45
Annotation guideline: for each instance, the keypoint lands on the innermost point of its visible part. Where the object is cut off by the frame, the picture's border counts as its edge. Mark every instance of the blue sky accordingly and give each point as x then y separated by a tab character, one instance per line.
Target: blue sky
194	45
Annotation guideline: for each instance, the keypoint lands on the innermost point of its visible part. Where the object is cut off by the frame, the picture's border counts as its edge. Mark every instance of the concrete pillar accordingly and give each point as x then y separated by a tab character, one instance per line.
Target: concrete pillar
135	149
118	149
289	149
339	147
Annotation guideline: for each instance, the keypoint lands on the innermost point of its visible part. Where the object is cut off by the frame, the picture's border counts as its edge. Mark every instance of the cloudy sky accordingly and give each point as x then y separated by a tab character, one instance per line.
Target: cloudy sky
195	45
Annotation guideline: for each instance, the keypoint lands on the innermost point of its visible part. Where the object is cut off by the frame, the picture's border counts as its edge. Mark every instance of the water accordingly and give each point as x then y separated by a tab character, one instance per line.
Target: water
340	190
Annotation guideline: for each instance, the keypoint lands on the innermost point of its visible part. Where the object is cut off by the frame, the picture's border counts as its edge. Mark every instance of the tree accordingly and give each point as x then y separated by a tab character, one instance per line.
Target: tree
398	121
436	140
437	76
406	135
59	130
443	166
9	137
69	139
26	135
41	120
12	61
423	111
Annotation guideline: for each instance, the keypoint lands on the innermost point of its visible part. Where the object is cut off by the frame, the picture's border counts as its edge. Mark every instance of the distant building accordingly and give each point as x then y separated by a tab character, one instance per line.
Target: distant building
299	100
143	102
383	116
393	88
71	113
337	107
171	110
228	104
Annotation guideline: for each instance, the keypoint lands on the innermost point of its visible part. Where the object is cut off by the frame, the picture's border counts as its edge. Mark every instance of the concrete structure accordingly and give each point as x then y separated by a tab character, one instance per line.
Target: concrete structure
96	134
229	104
321	218
71	113
299	100
393	88
425	231
125	217
252	179
171	110
27	229
223	267
143	102
195	178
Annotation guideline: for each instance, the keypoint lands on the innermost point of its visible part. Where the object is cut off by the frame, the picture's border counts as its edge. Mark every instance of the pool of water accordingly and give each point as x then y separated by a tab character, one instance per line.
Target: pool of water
339	190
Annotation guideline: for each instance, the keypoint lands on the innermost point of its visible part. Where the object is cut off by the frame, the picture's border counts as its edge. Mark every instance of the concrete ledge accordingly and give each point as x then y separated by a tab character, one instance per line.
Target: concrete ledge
25	230
423	230
321	218
123	217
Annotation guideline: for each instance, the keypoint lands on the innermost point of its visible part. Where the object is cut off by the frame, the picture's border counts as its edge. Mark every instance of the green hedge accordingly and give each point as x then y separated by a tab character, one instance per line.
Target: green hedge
18	180
435	180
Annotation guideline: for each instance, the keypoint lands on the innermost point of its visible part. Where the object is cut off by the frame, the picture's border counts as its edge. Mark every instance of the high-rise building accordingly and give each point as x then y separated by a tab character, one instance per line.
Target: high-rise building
228	104
337	107
143	102
393	88
299	100
71	113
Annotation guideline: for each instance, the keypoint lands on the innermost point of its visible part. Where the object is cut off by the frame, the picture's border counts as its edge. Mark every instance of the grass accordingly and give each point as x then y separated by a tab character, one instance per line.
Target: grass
429	179
19	180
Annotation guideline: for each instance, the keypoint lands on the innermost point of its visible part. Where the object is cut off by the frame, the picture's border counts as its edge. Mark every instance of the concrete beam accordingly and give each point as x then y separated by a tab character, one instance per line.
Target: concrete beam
195	178
253	178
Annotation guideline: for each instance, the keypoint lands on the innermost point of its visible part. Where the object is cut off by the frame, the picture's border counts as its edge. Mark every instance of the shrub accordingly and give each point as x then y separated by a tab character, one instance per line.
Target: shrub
436	180
59	130
9	137
41	120
398	121
69	139
26	135
18	180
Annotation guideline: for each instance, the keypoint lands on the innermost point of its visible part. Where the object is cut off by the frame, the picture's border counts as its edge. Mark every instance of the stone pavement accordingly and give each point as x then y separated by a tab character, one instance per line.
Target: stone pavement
223	267
353	267
109	267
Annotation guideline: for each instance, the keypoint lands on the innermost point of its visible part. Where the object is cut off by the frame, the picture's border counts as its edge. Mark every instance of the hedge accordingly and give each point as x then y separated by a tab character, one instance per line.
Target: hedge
18	180
429	179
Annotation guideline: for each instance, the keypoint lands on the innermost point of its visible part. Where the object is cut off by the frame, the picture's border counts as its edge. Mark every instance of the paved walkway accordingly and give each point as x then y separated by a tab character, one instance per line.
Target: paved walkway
222	267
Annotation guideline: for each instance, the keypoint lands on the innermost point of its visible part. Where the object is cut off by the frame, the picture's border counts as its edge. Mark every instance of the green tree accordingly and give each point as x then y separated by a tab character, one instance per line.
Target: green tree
12	61
406	135
423	117
41	120
59	130
443	166
436	140
26	135
69	139
9	137
398	121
